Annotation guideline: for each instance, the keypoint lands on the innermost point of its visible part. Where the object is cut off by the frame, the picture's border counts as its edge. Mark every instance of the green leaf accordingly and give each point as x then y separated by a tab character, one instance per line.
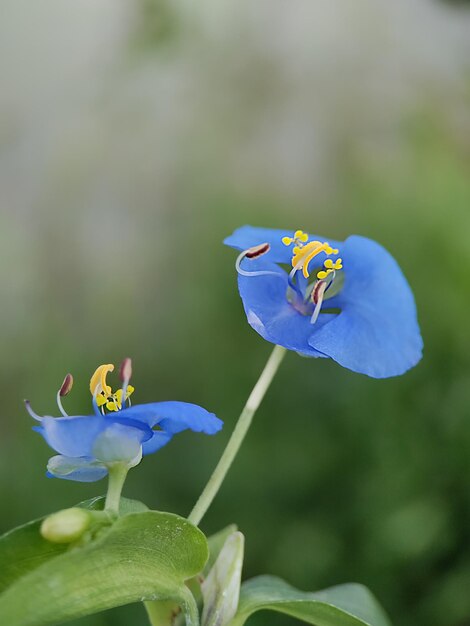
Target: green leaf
344	605
142	556
23	549
166	613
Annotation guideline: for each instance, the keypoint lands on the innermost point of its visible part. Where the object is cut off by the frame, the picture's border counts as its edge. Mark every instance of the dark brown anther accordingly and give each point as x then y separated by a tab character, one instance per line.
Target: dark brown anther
66	386
318	291
125	370
257	251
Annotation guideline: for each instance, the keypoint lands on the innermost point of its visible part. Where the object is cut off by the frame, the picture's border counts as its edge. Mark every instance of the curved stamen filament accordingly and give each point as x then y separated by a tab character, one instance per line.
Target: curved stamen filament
96	409
318	294
317	299
292	274
33	414
59	404
254	253
64	390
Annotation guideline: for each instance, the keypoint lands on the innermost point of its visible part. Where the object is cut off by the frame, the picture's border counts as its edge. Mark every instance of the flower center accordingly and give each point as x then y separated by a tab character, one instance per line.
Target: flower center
103	394
304	295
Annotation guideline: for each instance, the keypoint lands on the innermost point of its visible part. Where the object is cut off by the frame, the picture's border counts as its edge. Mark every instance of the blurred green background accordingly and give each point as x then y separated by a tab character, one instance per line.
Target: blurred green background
134	136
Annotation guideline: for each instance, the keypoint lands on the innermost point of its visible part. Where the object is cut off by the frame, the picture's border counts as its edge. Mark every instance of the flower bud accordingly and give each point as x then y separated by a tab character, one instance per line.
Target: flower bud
66	526
221	589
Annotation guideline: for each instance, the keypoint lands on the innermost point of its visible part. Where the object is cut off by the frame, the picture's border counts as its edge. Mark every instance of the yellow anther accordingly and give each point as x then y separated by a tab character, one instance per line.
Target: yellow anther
99	380
304	251
101	399
303	255
104	393
114	402
299	239
330	267
330	250
299	235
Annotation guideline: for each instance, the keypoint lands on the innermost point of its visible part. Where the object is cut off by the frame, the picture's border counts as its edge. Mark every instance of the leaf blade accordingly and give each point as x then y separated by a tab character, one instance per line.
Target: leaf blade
143	556
22	549
343	605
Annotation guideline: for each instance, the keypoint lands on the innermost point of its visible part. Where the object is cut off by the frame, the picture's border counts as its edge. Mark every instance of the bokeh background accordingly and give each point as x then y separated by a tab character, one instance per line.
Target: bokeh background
134	136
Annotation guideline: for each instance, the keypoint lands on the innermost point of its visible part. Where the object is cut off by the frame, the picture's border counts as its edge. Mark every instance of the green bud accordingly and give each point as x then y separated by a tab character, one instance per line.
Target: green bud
66	526
221	589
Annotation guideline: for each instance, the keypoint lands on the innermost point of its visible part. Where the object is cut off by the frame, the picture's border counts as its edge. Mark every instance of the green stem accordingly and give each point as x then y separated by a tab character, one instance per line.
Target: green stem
238	435
117	477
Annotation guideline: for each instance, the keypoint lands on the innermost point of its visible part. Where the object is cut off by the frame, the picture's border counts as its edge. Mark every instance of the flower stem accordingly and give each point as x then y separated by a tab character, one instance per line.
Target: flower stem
238	435
117	477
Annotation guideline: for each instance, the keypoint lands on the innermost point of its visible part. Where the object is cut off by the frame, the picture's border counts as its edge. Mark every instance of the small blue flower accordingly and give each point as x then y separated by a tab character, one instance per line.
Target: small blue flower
87	445
347	301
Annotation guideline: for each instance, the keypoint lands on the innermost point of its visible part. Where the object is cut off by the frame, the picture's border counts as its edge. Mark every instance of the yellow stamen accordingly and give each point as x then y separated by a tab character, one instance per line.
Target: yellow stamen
303	256
330	267
303	253
101	399
299	235
99	379
299	238
114	402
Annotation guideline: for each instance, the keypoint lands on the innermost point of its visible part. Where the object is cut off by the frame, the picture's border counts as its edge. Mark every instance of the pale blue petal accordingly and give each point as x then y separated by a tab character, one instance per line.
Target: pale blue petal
72	436
81	469
118	443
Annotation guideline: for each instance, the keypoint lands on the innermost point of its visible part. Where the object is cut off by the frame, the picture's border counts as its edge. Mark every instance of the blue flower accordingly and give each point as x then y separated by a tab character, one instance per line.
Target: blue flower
347	301
87	445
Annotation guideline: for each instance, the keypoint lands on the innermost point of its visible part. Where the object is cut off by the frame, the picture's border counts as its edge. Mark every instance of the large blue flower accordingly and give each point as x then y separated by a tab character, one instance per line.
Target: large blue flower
88	445
348	300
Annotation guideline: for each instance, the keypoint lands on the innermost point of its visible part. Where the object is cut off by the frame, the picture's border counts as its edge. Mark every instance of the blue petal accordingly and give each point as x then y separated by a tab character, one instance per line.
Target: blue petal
72	436
173	417
272	316
249	236
377	332
145	432
75	436
82	469
160	438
